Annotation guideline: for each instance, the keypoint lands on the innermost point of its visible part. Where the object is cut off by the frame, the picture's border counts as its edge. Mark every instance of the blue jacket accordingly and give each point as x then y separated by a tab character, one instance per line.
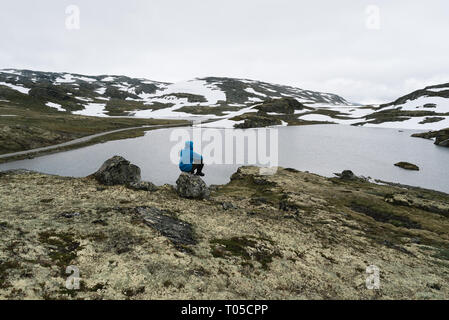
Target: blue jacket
188	157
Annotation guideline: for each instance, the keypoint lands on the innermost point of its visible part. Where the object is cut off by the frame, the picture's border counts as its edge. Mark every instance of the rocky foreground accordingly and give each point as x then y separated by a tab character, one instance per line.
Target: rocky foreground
292	235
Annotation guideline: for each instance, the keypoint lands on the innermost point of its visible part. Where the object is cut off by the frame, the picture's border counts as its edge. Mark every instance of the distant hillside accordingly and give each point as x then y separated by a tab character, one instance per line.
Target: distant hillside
440	90
111	95
426	108
231	102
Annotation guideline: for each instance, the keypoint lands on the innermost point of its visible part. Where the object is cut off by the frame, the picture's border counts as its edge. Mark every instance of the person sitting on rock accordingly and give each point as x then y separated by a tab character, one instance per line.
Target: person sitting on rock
191	161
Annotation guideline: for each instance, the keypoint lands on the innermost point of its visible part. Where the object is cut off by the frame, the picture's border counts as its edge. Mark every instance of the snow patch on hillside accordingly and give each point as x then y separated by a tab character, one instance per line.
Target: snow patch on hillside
67	78
55	106
15	87
197	87
441	104
93	109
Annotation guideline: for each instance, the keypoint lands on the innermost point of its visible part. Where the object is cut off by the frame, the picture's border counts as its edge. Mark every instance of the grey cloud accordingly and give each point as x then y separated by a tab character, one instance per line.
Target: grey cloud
319	45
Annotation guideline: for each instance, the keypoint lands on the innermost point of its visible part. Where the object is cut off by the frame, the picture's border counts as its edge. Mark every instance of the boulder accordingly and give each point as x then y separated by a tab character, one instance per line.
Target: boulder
407	166
191	186
117	170
346	175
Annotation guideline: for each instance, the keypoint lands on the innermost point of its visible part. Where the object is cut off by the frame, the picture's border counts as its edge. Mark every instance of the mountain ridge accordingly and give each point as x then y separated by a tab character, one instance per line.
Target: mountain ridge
227	102
130	95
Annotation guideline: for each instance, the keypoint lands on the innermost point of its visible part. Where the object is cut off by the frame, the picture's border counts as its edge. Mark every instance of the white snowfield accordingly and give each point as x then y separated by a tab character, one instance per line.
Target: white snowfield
55	106
413	123
227	123
93	109
67	78
198	87
108	79
331	108
251	90
435	104
14	87
101	91
210	92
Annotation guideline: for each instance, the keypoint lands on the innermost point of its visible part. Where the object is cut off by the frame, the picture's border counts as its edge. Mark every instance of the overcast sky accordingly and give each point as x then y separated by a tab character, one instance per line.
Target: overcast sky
325	45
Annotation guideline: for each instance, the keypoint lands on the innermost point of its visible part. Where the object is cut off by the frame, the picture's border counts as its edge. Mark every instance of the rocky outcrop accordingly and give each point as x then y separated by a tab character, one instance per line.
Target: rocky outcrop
117	170
441	137
257	121
423	204
283	105
346	175
407	166
191	186
178	232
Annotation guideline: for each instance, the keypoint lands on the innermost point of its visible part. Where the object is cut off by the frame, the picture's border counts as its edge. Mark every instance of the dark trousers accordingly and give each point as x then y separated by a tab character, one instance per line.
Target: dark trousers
198	167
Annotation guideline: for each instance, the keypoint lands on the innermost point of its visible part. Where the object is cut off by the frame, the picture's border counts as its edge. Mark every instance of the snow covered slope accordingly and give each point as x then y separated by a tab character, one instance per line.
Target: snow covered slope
124	96
228	100
426	109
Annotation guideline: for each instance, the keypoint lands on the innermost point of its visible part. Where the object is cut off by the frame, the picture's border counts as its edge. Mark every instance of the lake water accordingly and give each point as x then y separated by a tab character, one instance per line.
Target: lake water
321	149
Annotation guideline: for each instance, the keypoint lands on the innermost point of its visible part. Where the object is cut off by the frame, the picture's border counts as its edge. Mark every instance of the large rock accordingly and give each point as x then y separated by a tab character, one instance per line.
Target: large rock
117	170
191	186
407	166
346	175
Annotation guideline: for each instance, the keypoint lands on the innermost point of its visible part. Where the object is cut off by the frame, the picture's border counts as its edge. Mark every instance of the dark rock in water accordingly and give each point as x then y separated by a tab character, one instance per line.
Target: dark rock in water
117	170
191	186
179	232
407	166
142	185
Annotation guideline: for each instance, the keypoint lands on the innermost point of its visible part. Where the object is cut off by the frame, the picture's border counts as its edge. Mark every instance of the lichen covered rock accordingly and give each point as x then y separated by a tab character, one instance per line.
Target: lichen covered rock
191	186
117	170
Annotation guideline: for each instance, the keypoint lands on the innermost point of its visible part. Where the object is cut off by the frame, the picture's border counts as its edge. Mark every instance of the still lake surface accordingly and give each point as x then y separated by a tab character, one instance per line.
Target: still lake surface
321	149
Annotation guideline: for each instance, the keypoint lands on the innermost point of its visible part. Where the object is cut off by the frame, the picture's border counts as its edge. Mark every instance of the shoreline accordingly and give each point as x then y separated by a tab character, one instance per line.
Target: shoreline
118	134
